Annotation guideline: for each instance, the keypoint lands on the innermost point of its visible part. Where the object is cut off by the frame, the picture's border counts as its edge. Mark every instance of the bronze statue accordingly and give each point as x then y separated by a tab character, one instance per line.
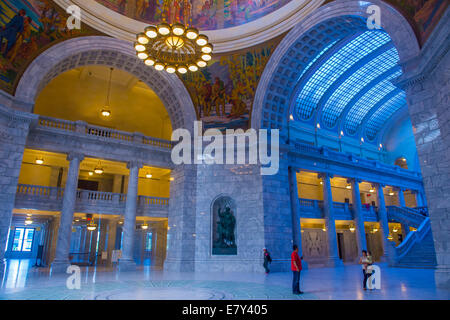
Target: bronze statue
225	229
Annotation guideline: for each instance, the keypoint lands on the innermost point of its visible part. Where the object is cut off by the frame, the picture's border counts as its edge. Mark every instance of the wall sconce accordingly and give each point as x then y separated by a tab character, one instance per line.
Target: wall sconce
352	228
144	226
39	160
148	175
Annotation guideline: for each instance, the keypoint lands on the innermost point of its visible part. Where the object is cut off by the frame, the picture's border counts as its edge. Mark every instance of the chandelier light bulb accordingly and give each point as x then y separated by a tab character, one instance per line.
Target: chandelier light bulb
150	62
182	69
142	39
192	33
170	69
106	113
201	63
193	67
151	32
206	57
142	55
139	47
164	29
159	66
178	29
207	48
202	40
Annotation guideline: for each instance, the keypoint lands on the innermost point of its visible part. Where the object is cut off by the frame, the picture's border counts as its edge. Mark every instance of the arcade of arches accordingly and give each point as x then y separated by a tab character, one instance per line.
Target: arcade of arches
86	175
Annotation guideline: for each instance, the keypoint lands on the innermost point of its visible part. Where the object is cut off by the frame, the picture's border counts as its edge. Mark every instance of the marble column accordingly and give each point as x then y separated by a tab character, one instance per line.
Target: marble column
112	231
61	261
420	198
401	198
295	210
358	216
384	224
330	224
127	263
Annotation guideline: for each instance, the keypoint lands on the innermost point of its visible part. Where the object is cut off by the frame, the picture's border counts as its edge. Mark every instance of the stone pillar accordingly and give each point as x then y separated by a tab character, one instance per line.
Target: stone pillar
182	219
14	127
61	261
53	239
330	224
384	224
295	210
112	230
126	263
420	200
358	216
401	198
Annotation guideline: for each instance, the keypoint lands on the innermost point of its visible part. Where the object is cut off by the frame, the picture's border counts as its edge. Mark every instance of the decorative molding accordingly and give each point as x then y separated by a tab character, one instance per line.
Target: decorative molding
224	40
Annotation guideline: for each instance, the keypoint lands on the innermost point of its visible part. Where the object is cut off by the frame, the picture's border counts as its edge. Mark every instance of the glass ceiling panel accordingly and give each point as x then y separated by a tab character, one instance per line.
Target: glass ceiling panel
369	100
335	66
357	82
379	118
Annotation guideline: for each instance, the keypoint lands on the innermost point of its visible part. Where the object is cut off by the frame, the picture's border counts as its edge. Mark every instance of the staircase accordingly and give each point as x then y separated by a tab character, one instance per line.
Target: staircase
417	249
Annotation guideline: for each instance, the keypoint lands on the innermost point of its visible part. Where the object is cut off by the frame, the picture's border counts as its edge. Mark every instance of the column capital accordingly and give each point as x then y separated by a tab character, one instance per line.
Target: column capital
324	175
75	155
354	180
134	164
380	185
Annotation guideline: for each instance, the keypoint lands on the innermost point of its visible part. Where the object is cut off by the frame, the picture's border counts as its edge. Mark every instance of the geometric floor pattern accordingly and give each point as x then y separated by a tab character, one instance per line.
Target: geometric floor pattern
158	290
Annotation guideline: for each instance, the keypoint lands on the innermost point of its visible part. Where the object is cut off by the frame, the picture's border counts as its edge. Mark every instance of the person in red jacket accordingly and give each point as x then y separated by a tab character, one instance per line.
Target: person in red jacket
296	267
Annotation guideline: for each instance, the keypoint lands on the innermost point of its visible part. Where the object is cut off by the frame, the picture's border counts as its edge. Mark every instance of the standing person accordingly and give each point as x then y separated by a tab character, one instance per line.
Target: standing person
11	30
365	260
296	267
267	260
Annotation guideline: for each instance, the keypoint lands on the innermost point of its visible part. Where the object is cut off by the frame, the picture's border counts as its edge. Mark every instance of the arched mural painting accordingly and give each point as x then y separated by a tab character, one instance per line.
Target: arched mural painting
202	14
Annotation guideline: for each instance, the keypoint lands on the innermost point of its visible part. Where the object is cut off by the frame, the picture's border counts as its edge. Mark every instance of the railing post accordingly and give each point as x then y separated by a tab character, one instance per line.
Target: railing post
138	137
80	126
54	193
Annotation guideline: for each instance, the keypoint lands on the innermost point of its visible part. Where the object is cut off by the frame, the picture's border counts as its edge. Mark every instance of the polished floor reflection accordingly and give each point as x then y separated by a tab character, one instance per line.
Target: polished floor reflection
22	281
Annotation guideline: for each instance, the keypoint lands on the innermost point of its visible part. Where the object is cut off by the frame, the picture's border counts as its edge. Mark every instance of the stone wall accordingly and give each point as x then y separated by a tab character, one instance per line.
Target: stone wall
427	83
14	126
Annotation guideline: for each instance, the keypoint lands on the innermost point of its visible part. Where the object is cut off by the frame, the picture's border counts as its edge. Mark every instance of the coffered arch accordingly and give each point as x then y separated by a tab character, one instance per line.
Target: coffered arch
106	51
314	40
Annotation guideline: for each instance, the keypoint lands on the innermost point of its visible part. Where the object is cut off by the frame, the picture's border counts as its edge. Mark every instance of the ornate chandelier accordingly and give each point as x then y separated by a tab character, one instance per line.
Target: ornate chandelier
173	47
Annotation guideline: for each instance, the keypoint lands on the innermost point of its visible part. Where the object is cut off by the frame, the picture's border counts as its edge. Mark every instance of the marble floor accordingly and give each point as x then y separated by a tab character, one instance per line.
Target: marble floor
22	281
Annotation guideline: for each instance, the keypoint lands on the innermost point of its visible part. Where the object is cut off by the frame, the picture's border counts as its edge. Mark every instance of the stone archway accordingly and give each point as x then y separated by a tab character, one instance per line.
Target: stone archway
277	83
106	51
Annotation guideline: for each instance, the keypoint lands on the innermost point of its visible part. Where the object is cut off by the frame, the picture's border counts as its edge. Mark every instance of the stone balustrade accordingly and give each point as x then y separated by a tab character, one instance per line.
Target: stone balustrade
62	136
50	199
310	208
323	159
88	129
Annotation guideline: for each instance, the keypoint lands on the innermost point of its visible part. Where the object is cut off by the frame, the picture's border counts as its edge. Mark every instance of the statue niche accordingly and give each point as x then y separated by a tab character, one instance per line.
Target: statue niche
224	226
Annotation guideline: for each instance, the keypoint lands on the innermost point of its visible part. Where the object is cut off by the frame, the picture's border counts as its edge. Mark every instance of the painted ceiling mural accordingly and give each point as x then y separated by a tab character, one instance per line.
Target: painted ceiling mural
25	35
202	14
424	14
223	92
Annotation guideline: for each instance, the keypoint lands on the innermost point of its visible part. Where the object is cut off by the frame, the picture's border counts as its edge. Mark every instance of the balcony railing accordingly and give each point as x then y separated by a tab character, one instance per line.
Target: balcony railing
50	198
84	128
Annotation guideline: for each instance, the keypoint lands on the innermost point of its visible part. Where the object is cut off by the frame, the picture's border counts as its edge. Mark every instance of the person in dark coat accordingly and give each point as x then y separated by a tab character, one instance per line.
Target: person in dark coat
267	260
11	30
